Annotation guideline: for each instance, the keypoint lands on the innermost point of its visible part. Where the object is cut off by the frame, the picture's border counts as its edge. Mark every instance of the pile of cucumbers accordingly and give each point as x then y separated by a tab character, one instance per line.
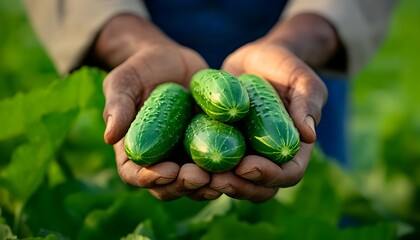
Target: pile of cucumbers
235	112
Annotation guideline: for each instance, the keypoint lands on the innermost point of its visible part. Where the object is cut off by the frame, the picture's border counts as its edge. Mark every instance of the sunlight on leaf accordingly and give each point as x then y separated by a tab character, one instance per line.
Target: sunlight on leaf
144	231
79	90
26	171
215	208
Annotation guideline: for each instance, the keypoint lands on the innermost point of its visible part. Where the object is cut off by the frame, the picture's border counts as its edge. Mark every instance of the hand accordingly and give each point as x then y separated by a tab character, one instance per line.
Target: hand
303	93
153	59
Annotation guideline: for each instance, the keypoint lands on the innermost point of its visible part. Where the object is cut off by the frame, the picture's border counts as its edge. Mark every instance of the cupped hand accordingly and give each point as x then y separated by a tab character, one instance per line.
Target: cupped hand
303	93
125	88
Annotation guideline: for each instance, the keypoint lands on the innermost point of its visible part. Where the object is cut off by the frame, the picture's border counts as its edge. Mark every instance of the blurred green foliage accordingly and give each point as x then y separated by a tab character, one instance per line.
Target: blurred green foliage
386	119
58	179
23	62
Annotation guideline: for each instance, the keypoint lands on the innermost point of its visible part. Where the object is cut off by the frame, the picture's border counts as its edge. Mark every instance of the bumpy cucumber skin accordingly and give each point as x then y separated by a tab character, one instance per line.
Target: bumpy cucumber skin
220	95
268	126
212	145
159	125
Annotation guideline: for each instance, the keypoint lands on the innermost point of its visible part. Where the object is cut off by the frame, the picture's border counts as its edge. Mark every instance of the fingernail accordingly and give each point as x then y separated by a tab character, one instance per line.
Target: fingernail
162	180
309	120
190	185
253	174
211	195
109	122
227	189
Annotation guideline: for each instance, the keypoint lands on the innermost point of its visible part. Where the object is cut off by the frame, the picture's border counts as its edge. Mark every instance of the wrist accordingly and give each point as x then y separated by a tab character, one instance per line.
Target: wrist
310	37
121	37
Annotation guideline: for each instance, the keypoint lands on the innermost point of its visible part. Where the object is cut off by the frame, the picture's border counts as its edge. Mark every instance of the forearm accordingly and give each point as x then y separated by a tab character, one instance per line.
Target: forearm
310	37
122	36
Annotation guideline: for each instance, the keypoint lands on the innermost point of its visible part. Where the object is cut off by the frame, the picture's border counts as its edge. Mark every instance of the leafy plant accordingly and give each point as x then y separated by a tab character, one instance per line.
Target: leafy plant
58	178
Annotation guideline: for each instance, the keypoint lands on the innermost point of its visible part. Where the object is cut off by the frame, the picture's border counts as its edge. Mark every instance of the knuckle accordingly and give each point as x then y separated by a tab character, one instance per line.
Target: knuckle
160	195
165	193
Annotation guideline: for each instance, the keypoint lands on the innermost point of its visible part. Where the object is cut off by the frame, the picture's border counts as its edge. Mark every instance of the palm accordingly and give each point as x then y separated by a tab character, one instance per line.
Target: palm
126	88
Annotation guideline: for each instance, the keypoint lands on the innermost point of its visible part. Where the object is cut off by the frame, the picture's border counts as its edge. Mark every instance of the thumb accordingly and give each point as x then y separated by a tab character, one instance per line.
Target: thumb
123	92
305	107
234	63
128	85
302	91
308	129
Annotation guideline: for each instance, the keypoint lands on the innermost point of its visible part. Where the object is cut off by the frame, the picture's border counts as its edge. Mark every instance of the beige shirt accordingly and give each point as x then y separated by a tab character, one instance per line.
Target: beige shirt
67	28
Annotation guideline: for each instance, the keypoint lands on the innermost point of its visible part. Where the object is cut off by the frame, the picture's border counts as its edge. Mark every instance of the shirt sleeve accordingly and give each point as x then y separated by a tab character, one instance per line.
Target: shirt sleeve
67	28
360	24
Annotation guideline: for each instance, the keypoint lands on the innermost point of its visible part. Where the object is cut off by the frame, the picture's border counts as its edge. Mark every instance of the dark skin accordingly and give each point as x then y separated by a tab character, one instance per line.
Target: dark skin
140	57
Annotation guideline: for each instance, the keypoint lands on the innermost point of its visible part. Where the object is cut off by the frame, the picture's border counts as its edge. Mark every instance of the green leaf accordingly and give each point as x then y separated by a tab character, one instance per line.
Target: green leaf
48	203
79	90
317	196
45	116
200	221
307	227
80	203
253	213
6	232
229	227
52	127
124	214
144	231
380	231
13	116
27	169
30	161
215	208
23	176
48	237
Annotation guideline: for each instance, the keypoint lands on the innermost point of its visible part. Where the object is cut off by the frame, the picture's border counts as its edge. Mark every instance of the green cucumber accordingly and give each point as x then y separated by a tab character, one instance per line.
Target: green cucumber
268	126
213	145
159	125
220	95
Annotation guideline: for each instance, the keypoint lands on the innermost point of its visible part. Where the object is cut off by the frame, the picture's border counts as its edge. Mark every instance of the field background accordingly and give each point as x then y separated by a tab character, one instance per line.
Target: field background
58	179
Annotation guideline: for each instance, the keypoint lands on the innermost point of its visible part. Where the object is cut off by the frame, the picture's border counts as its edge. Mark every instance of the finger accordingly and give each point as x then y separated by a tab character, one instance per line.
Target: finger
127	86
302	91
123	91
239	188
137	176
205	193
233	63
307	99
193	177
190	178
264	172
195	63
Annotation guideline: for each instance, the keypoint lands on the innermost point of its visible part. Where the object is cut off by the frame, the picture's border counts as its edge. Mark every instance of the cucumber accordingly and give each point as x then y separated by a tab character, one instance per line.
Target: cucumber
159	125
220	95
213	145
268	126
